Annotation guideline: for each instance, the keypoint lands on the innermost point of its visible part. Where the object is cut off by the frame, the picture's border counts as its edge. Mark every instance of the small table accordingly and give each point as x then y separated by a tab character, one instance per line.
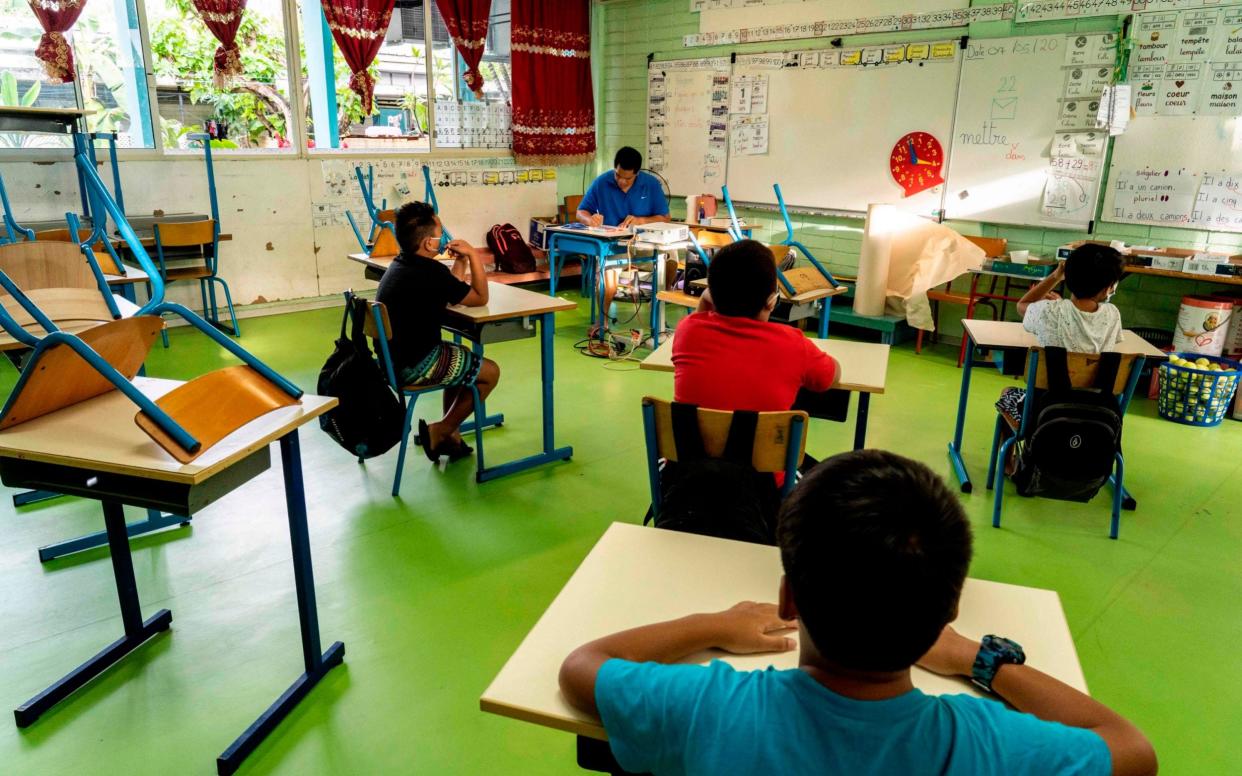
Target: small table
864	370
636	576
1009	335
506	303
94	450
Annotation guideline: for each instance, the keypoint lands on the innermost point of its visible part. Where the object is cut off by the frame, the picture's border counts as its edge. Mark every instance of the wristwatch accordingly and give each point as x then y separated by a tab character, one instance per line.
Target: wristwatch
994	652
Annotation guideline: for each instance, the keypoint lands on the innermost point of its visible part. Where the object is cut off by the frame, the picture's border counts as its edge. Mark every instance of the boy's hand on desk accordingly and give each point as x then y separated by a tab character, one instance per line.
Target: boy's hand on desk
749	627
952	655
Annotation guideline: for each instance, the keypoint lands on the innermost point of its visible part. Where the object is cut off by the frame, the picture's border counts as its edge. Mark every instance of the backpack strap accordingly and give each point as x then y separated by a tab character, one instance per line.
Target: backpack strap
740	444
358	312
1106	374
1056	366
686	434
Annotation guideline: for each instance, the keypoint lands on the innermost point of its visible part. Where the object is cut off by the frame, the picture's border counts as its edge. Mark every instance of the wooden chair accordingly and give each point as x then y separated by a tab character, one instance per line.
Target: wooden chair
59	285
383	240
69	369
194	245
780	438
378	327
1083	369
992	247
104	253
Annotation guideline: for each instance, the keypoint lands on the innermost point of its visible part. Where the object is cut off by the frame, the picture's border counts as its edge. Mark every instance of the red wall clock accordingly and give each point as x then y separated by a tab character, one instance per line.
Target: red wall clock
917	162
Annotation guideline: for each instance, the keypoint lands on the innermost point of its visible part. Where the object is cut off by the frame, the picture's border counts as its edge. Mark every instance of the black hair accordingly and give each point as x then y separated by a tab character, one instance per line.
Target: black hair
875	548
1091	268
741	278
416	221
628	158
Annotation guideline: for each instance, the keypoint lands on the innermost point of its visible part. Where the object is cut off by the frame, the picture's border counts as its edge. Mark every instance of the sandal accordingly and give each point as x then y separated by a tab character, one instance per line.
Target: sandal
424	441
458	451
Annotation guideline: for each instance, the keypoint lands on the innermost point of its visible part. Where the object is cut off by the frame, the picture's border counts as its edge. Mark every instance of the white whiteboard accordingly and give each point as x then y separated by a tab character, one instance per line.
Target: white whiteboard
1182	170
1016	95
680	105
832	130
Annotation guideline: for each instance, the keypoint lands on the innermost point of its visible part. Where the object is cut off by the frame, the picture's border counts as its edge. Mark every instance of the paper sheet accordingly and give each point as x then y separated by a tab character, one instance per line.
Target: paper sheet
750	135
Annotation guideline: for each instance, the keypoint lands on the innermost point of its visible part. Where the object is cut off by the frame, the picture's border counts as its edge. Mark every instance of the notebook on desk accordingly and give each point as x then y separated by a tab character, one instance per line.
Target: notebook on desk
598	231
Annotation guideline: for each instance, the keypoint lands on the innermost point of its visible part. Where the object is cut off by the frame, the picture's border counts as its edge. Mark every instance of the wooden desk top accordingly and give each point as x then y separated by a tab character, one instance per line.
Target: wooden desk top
506	302
100	435
864	365
132	275
1229	280
637	575
375	262
1010	334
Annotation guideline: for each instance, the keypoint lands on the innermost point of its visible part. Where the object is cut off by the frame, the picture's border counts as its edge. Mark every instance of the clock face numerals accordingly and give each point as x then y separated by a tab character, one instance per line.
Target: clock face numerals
917	163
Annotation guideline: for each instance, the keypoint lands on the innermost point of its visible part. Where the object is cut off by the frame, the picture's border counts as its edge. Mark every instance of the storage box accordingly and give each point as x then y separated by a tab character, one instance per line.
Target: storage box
661	233
538	236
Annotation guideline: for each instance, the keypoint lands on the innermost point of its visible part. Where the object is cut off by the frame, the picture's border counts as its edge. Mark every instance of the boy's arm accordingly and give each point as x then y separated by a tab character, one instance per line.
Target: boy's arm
823	372
478	295
705	303
745	628
1034	692
1042	290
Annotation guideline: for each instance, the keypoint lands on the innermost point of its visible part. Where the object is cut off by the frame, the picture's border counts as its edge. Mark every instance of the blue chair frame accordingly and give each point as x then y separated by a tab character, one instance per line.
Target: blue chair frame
797	426
409	396
1000	450
735	231
367	187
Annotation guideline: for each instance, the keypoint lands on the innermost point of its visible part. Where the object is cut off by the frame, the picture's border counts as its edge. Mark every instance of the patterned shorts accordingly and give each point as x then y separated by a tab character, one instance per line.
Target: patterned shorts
447	364
1010	403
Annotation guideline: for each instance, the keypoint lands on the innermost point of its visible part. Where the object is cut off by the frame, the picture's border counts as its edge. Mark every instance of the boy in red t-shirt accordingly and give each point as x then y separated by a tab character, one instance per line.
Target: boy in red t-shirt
728	356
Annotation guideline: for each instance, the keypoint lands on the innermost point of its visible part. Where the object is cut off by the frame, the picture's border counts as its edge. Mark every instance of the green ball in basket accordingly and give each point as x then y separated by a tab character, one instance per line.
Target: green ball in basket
1196	389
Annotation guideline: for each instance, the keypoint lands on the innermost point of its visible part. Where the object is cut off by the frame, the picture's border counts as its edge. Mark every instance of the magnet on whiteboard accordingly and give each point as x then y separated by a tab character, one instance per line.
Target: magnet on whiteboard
963	194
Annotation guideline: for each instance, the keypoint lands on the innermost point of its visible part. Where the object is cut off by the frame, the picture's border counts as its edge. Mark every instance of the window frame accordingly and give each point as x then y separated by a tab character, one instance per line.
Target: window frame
291	17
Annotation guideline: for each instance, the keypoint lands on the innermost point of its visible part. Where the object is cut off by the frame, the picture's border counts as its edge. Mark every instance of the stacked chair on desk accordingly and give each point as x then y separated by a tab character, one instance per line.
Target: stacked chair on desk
85	342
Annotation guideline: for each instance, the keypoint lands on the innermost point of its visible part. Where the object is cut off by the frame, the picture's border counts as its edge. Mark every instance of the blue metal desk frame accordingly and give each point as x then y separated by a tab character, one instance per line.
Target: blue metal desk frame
955	447
550	452
316	663
600	252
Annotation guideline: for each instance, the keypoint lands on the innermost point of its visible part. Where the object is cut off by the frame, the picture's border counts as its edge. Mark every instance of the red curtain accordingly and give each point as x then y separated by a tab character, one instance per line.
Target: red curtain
223	18
56	17
466	21
553	106
358	27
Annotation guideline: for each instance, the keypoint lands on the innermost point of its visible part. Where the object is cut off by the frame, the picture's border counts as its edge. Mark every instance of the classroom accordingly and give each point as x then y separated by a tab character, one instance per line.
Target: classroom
630	386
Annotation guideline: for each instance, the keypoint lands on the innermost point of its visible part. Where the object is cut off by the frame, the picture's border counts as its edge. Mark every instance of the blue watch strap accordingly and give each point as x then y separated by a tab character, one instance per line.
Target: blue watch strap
994	652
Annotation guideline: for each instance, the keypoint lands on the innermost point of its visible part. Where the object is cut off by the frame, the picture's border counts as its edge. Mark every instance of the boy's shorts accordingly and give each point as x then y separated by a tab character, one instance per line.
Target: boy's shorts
447	364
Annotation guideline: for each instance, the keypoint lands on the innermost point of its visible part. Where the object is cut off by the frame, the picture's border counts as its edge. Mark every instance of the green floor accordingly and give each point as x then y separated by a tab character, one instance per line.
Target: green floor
432	592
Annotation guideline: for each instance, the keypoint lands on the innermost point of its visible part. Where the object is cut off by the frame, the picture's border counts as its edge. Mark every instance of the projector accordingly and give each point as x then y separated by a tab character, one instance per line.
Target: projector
661	233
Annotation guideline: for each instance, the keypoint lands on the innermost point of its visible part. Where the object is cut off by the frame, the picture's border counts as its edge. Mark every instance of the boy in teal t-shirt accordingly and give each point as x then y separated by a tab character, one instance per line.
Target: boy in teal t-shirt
876	549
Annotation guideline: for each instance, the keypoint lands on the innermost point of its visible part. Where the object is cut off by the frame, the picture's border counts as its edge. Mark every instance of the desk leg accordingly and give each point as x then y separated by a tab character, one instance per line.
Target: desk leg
554	266
480	418
33	497
955	447
550	452
137	631
317	665
155	521
860	424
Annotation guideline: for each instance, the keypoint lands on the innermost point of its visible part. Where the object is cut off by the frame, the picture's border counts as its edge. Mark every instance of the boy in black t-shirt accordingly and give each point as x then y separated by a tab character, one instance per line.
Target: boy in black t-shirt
416	288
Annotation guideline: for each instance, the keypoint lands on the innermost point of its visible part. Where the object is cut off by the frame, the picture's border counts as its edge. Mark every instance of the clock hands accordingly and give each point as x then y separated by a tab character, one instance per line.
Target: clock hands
914	159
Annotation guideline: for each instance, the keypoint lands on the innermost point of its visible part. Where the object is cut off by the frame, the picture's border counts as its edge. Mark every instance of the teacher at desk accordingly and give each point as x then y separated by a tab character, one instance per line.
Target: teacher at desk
624	197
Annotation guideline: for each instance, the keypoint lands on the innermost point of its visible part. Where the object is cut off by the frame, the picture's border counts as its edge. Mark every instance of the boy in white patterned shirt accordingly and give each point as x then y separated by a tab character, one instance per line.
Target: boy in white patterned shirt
1084	323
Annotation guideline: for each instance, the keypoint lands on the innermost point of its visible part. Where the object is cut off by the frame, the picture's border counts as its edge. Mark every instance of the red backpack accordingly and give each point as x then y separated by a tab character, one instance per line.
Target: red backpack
512	253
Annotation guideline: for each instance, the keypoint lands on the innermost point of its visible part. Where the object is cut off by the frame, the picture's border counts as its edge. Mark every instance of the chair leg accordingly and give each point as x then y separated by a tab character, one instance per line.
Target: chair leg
480	412
228	300
1000	481
918	342
202	293
1118	496
405	443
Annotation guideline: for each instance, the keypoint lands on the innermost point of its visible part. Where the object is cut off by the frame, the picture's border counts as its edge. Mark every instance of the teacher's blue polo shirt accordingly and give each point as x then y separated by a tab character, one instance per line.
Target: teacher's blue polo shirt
645	198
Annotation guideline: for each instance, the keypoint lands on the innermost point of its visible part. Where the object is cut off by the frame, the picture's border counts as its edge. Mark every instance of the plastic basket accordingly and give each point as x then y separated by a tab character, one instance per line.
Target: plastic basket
1197	397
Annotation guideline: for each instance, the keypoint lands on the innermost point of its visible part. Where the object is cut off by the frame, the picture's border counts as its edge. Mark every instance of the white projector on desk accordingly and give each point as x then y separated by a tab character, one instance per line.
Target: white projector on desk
661	233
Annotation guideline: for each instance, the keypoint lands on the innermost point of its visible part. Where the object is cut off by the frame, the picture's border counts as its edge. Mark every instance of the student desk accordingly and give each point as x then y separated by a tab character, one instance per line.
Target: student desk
508	303
1009	335
71	325
864	369
94	450
636	575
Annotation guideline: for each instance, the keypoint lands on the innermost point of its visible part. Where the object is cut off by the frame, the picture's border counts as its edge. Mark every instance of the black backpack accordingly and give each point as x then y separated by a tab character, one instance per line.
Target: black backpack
369	419
723	497
1069	452
512	253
